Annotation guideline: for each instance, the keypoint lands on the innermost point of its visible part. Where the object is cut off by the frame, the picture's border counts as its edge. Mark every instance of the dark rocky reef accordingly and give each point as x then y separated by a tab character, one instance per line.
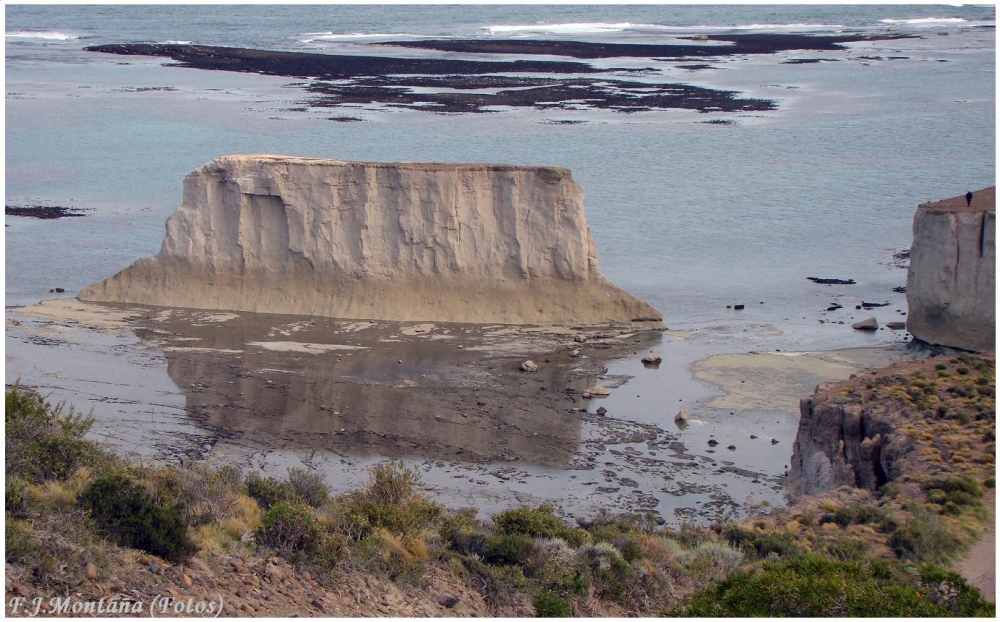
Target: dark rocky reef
42	212
327	66
363	80
542	93
738	44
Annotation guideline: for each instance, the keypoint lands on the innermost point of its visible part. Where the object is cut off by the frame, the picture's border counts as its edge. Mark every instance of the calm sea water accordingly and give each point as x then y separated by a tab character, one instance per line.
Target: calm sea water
687	215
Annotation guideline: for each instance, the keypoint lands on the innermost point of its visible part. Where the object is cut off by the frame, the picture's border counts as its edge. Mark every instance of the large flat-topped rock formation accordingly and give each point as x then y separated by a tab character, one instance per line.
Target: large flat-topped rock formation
478	243
951	284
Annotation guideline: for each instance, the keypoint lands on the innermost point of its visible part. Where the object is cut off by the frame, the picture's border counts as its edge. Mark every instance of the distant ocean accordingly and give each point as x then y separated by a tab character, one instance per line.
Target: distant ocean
688	215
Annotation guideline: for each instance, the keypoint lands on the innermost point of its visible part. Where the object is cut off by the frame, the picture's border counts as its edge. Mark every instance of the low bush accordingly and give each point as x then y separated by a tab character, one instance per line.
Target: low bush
816	587
309	486
131	517
507	549
290	529
712	560
610	575
924	538
19	545
551	605
386	556
268	491
210	495
539	522
41	442
848	549
860	514
389	501
497	584
762	544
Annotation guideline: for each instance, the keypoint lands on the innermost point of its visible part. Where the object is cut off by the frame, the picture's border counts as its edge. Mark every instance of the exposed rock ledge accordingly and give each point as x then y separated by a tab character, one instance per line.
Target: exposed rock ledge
480	243
951	284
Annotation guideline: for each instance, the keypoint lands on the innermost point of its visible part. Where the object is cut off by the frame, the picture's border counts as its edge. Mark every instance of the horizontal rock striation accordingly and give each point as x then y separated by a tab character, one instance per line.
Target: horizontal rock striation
478	243
951	284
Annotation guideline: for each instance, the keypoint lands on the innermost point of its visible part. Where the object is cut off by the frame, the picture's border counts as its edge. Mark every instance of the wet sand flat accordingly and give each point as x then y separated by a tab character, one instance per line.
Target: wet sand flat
272	392
778	380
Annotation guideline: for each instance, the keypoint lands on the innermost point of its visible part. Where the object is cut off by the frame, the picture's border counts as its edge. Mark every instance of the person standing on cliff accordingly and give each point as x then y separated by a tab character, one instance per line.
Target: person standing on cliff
968	198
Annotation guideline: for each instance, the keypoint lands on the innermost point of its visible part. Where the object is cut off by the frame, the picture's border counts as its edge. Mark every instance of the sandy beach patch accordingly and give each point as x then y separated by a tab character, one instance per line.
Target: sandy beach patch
417	329
298	346
218	317
778	380
83	314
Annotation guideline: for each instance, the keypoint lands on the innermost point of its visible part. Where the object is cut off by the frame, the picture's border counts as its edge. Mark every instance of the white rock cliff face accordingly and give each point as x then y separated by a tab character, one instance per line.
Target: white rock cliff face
476	243
951	284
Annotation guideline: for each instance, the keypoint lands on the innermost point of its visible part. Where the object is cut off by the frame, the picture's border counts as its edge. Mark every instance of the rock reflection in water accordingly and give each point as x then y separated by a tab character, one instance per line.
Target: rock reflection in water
365	388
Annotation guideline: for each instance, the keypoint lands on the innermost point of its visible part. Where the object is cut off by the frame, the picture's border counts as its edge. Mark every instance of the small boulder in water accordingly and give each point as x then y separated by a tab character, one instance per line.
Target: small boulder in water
868	324
652	359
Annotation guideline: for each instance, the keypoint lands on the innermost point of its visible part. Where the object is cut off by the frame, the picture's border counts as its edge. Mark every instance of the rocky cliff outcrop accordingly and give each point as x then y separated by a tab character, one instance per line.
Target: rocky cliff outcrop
898	424
951	284
841	442
475	243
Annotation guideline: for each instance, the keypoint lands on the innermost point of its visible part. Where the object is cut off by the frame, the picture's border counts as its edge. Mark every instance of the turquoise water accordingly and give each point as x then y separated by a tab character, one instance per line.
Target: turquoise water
687	215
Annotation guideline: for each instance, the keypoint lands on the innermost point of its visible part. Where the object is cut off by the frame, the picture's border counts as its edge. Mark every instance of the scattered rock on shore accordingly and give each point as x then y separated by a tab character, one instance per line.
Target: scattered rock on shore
529	366
867	324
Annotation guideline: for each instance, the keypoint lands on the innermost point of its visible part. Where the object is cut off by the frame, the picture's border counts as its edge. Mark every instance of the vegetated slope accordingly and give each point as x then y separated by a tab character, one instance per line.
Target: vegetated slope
262	546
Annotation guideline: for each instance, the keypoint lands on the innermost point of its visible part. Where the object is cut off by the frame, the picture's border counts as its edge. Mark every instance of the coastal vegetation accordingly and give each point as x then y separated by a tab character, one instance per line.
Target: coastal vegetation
80	520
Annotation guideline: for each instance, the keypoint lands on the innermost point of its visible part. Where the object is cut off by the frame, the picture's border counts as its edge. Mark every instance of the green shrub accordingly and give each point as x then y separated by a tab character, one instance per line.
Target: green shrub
372	557
43	443
816	587
290	529
551	605
461	521
268	491
131	517
859	514
849	549
712	560
361	515
963	390
19	545
630	549
391	482
553	565
209	495
540	522
507	549
762	544
388	502
610	575
15	501
950	483
923	538
497	584
309	486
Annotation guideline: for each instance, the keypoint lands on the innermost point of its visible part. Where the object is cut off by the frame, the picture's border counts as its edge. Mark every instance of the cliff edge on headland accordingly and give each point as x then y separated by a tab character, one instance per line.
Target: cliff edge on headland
477	243
951	284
